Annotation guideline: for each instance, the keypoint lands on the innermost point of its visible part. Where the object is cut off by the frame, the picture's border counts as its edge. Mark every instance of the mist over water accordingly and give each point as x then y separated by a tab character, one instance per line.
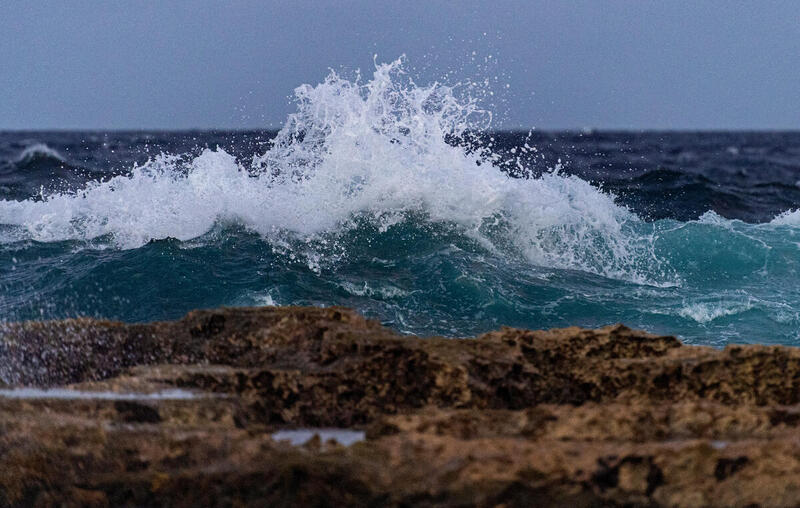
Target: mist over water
398	199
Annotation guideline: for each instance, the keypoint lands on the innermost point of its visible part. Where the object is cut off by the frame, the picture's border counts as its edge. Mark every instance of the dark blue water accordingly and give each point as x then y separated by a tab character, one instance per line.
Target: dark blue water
406	212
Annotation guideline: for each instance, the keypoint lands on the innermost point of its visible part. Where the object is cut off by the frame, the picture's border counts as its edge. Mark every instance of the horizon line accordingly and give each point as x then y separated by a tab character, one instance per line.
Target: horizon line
573	130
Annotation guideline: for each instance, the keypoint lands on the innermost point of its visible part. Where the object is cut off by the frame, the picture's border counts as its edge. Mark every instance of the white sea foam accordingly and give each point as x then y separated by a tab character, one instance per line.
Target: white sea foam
707	312
787	218
374	149
263	299
386	291
37	150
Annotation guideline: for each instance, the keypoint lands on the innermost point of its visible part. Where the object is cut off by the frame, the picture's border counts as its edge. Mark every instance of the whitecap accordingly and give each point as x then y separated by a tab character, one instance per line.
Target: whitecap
705	312
38	151
377	150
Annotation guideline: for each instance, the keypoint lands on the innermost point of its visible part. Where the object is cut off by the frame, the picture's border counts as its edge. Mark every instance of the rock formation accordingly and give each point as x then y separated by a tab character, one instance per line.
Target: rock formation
183	414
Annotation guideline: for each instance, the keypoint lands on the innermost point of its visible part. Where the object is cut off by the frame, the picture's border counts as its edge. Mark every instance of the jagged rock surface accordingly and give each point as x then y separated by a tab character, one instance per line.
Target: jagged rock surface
567	417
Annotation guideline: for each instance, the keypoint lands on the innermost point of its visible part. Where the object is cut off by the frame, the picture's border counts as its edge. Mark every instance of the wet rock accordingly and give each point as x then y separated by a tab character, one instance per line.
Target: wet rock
567	417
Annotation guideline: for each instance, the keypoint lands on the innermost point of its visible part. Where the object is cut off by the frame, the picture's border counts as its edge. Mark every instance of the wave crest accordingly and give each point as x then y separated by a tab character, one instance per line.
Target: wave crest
378	150
787	218
38	152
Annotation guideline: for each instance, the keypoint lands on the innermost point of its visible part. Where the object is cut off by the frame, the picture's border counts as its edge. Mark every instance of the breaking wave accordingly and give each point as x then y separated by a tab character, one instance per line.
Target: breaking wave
385	151
37	152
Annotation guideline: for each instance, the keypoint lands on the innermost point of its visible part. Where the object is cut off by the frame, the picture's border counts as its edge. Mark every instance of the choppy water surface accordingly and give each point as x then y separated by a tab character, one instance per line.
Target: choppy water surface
400	201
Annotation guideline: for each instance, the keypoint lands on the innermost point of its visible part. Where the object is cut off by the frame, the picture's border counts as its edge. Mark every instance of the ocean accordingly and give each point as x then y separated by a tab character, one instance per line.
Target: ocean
403	202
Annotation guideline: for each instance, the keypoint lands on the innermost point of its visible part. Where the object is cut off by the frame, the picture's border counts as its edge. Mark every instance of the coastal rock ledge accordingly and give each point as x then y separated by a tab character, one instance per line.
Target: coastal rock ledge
193	413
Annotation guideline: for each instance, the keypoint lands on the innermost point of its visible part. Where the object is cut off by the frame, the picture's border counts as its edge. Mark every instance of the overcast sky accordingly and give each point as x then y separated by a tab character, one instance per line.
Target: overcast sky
203	64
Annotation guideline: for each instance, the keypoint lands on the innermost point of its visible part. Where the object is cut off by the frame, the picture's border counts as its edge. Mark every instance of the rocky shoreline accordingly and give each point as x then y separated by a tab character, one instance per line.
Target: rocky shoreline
185	413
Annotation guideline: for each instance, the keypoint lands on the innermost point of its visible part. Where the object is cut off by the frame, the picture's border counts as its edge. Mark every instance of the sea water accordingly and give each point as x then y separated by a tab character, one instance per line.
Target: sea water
400	200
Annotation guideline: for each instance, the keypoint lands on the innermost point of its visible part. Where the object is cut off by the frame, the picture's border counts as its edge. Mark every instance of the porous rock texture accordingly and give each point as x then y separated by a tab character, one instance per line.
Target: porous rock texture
568	417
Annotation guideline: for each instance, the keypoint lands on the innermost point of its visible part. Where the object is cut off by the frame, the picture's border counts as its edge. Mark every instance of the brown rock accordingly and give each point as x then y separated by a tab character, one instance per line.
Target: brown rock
566	417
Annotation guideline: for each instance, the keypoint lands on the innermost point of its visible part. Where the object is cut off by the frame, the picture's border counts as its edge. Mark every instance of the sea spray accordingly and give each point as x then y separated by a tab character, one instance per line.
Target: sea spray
380	151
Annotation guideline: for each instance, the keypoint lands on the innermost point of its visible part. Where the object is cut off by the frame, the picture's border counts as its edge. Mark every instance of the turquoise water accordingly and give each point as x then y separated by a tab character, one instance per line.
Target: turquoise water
719	281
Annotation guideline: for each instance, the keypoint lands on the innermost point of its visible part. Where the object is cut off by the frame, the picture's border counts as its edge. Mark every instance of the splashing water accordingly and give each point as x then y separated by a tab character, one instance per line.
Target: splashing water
378	194
376	150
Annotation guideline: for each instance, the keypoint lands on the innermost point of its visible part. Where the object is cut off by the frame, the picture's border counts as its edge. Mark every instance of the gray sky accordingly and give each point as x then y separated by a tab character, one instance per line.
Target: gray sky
201	64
